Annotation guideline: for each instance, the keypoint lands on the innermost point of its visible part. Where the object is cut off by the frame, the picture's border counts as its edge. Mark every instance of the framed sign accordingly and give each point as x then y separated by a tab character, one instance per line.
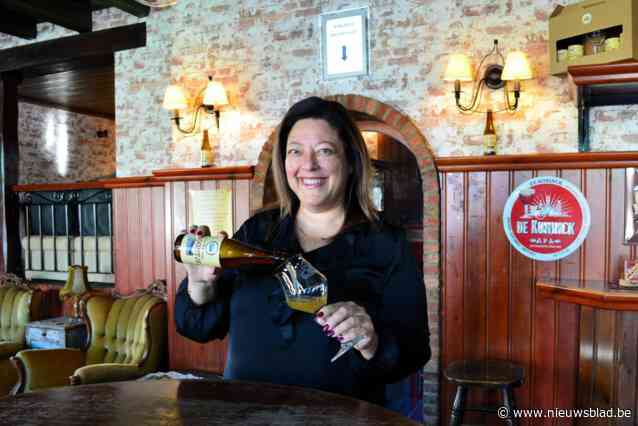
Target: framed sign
546	218
344	43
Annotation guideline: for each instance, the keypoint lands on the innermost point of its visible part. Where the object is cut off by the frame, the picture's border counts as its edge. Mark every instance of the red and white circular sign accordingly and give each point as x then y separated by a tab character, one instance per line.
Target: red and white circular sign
546	218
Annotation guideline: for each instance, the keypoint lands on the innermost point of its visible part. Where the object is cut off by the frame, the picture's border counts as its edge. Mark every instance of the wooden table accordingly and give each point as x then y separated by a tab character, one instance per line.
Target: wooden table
593	293
191	402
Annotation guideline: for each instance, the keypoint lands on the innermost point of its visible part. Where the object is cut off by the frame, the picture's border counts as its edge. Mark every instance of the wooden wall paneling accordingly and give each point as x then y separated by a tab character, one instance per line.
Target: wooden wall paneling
498	289
618	251
453	261
595	253
626	339
627	362
158	216
146	232
176	214
139	237
522	308
474	315
566	344
586	360
474	285
574	357
120	237
594	249
134	248
187	354
498	307
571	267
541	372
568	337
604	369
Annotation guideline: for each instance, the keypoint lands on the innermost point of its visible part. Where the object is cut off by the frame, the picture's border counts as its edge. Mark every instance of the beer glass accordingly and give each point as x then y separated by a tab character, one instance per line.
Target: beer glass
306	290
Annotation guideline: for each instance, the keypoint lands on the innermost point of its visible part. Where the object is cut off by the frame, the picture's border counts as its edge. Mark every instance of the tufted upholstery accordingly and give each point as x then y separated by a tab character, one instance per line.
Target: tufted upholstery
127	339
19	304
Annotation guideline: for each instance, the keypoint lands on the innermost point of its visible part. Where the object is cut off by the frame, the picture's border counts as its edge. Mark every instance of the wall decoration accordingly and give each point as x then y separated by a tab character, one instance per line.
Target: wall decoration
344	43
546	218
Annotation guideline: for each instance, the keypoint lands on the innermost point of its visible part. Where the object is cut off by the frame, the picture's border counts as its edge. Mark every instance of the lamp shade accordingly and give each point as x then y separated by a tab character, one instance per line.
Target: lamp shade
174	98
458	68
516	67
214	94
76	283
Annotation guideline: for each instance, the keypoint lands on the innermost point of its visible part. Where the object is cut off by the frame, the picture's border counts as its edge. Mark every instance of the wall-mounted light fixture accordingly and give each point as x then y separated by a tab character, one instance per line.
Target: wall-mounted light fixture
493	75
213	97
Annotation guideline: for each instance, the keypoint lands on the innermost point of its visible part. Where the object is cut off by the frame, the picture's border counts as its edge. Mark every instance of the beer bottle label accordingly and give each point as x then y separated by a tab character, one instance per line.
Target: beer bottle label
489	144
203	251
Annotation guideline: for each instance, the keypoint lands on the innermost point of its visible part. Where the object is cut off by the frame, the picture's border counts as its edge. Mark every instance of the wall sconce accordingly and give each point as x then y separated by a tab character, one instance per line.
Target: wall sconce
76	285
213	97
495	76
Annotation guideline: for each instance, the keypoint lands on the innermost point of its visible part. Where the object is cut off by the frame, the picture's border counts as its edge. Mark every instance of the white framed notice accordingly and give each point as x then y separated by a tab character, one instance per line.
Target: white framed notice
344	43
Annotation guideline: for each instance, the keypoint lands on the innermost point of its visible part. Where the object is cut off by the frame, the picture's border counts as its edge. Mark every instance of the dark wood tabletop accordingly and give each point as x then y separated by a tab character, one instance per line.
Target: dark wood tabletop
191	402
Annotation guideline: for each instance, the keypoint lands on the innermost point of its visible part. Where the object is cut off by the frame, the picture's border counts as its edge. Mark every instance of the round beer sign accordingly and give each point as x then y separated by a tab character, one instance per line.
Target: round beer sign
546	218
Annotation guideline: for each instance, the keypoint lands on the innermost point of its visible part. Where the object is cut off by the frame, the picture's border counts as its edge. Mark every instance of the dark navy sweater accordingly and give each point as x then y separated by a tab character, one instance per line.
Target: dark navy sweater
367	264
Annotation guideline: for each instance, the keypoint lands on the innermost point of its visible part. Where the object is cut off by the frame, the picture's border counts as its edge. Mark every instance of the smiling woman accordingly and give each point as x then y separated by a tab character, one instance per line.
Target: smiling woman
375	292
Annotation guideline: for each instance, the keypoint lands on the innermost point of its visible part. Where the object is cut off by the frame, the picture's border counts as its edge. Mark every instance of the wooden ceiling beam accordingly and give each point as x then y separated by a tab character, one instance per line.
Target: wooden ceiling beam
76	16
17	25
73	47
128	6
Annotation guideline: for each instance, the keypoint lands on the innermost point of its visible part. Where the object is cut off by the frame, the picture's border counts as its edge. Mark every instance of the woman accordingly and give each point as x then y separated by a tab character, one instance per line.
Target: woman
322	172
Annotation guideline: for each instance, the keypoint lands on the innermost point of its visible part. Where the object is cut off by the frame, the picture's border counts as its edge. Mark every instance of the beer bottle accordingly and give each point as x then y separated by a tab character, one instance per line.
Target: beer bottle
206	152
489	135
222	252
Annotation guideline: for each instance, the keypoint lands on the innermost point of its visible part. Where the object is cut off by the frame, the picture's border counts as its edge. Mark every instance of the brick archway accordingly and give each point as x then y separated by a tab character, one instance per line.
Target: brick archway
388	120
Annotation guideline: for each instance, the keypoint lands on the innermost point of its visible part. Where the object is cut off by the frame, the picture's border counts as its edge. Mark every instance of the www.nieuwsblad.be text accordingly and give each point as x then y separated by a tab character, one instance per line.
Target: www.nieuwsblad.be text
565	413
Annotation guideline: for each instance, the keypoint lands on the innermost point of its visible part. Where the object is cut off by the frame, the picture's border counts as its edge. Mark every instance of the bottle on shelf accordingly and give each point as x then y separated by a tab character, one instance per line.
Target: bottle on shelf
206	152
222	252
489	135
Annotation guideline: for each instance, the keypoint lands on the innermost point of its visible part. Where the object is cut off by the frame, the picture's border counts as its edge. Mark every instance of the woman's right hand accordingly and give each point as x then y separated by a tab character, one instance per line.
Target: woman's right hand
202	278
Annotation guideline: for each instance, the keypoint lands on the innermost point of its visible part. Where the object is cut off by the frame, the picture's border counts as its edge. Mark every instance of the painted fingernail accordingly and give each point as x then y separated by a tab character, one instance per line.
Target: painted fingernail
326	327
319	314
330	333
340	338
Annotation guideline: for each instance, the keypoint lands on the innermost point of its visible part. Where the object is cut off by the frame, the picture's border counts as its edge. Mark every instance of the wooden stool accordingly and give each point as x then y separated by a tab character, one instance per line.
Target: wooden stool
501	375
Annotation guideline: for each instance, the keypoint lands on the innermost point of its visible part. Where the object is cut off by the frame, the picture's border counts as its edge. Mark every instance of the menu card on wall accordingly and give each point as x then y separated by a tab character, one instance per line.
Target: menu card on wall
212	207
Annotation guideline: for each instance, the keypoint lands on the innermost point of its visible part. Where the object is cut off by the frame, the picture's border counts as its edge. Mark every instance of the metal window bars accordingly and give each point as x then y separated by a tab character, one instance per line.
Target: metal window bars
72	215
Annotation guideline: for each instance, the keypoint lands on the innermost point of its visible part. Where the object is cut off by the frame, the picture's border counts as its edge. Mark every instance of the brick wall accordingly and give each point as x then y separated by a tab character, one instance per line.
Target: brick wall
267	53
61	146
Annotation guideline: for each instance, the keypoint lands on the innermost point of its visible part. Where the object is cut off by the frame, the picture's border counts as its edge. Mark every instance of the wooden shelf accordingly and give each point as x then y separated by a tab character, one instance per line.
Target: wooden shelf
562	161
205	173
157	179
619	72
594	293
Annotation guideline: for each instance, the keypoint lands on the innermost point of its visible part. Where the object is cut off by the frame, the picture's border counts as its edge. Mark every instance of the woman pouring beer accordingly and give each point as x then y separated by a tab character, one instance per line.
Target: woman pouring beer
375	295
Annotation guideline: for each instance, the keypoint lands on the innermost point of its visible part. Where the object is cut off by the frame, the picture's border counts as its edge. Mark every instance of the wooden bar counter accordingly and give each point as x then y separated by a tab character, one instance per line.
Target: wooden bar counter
594	293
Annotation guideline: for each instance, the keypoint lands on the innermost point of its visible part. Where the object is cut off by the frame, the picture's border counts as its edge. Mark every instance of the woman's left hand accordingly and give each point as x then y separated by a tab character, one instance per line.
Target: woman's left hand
347	320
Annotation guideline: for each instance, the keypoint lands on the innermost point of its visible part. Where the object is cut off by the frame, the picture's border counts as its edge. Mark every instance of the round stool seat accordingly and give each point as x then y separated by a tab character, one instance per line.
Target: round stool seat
488	373
503	375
